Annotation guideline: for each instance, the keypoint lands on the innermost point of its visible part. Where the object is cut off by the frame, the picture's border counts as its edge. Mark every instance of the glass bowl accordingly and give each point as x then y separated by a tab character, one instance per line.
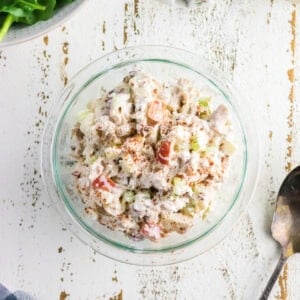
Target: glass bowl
166	64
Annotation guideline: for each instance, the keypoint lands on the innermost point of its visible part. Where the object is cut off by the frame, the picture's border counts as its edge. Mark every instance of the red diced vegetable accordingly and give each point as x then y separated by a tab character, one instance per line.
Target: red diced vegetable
103	183
164	153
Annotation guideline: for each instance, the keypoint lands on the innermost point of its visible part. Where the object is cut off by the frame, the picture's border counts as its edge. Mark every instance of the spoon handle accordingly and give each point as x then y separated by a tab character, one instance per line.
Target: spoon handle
273	278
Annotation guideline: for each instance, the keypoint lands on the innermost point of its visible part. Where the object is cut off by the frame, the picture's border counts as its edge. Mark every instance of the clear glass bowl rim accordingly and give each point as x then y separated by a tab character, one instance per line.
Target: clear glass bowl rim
71	89
62	191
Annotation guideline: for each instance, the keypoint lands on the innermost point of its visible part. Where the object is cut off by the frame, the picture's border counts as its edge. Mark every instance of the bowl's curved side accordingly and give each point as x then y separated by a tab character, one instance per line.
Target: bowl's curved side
244	195
21	34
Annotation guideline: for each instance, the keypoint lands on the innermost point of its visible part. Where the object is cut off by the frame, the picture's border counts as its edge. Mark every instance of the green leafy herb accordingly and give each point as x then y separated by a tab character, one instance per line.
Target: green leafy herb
26	12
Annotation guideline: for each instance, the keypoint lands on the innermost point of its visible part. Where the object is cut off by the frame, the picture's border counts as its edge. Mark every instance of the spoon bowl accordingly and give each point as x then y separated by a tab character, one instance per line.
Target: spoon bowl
286	219
286	223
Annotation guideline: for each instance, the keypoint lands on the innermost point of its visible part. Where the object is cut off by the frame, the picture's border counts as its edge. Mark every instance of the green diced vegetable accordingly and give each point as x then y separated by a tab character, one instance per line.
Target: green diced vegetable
83	114
194	144
93	159
205	111
193	208
205	213
128	197
111	153
204	101
178	185
86	123
188	211
227	147
197	188
205	115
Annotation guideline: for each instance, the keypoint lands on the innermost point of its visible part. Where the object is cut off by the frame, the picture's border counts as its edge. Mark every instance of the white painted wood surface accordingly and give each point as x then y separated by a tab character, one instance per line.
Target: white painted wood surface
256	42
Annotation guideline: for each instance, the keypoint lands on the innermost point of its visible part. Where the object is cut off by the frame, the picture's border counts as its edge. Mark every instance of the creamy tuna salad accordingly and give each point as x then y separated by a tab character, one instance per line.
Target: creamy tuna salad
150	155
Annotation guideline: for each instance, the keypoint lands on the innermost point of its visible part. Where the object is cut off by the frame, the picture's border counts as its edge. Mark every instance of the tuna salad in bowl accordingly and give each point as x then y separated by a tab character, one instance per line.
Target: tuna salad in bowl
150	156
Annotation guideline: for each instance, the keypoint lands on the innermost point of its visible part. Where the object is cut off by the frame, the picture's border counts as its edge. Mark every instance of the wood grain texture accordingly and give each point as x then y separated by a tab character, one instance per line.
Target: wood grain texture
255	42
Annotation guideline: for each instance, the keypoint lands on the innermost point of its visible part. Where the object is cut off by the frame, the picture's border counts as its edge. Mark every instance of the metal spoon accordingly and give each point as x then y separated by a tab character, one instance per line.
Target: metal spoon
286	223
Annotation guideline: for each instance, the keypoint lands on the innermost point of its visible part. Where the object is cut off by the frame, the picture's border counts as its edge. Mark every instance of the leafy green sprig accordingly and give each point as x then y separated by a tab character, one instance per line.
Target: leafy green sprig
26	12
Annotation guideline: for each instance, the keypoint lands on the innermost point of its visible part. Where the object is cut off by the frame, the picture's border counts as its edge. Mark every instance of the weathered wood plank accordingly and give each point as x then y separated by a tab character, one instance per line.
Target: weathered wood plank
255	42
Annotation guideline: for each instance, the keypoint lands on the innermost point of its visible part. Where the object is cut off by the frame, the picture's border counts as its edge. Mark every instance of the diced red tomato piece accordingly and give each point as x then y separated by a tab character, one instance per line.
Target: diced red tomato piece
164	153
156	111
103	183
152	231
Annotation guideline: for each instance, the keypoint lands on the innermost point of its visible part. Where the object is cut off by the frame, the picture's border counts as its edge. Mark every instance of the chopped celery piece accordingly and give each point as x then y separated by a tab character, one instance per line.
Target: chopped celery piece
205	114
179	186
205	213
128	197
192	208
86	123
93	159
197	188
199	205
188	211
205	111
227	147
112	153
83	114
194	144
204	101
176	180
